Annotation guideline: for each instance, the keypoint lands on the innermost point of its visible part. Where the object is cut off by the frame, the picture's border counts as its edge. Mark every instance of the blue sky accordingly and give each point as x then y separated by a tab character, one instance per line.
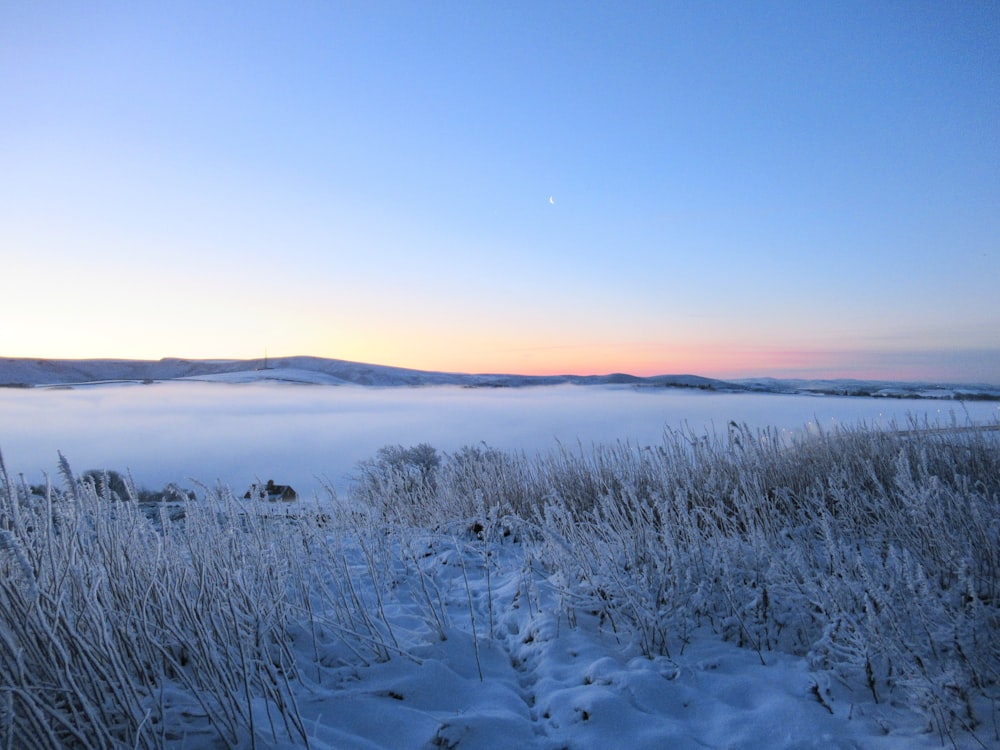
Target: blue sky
731	189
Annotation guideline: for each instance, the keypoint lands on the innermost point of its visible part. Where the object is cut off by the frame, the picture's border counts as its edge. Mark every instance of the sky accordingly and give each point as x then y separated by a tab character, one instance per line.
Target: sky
731	189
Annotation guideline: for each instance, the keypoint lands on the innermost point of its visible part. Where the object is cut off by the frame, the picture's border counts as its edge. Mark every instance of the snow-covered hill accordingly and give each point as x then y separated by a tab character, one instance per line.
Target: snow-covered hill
36	372
317	370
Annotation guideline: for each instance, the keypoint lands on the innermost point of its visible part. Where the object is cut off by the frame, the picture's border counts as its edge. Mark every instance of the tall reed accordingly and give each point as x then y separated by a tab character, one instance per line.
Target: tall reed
873	553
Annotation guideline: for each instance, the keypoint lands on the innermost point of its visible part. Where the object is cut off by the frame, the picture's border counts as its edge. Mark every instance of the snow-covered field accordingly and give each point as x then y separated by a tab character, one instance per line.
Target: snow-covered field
708	591
511	671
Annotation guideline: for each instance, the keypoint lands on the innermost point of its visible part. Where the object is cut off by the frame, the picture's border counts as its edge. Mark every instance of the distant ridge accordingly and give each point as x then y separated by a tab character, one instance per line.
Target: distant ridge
48	372
30	373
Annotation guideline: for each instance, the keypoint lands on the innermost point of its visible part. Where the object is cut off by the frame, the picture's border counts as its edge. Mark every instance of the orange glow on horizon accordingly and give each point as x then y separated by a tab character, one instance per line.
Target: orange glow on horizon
460	354
643	361
714	361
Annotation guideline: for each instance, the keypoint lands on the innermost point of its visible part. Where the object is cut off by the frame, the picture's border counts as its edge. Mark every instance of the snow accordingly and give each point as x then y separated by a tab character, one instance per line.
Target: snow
541	682
474	639
318	370
276	375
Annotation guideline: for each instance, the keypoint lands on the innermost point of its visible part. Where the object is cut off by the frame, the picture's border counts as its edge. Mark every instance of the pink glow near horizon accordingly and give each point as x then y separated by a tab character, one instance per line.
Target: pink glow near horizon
710	361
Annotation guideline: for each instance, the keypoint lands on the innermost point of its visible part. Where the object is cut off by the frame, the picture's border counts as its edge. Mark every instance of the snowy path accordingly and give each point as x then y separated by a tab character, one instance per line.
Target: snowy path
547	683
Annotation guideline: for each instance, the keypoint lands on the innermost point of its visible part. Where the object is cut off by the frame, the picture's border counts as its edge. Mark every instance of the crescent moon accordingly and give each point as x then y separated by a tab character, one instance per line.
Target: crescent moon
551	200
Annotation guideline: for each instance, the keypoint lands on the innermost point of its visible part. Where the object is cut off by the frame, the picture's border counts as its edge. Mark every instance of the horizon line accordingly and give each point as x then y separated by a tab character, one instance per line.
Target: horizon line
813	376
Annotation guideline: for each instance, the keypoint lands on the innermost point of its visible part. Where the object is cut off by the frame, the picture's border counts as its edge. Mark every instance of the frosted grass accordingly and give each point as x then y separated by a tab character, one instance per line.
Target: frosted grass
856	571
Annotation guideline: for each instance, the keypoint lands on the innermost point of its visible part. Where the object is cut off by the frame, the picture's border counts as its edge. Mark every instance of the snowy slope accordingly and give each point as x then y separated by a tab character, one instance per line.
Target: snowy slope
32	372
275	375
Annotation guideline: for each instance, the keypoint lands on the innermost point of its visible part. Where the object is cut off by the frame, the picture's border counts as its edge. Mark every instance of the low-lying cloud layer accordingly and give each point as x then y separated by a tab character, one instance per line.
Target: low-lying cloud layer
308	435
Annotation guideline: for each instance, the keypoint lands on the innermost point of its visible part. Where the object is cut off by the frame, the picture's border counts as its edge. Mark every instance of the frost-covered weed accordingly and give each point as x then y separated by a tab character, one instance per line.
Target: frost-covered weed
114	626
874	553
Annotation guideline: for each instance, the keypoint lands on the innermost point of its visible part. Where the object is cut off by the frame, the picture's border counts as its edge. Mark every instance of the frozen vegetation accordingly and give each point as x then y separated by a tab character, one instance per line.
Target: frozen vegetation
733	590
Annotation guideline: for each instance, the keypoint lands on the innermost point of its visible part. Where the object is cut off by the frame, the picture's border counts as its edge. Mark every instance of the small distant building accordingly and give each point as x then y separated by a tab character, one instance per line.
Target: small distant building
271	492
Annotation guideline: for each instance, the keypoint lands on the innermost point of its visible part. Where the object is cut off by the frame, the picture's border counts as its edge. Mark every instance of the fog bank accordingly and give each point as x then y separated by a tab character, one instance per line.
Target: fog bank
310	435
